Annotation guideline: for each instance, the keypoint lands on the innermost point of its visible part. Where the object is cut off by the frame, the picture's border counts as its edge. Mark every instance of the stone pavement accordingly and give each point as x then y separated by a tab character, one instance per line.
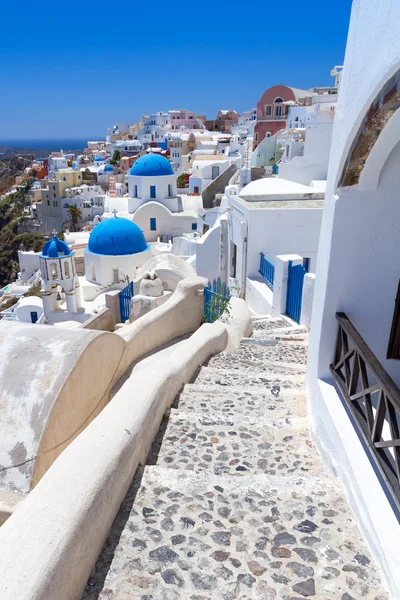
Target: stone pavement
235	502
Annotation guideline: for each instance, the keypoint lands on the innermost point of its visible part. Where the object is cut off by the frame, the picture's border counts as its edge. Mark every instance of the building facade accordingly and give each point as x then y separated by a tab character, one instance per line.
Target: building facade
353	369
273	109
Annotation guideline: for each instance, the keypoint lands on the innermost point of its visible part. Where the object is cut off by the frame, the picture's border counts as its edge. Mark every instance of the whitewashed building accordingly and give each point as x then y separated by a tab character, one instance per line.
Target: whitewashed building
271	216
353	379
152	201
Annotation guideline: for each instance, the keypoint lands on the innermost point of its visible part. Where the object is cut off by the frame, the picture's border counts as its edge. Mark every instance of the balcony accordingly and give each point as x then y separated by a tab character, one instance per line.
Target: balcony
273	118
373	399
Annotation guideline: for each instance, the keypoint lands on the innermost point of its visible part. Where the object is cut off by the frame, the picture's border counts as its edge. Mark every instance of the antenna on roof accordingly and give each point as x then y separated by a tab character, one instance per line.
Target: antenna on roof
115	212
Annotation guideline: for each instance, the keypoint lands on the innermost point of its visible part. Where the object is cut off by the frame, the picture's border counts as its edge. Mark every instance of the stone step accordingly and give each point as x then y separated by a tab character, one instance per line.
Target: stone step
233	363
277	403
286	331
202	536
218	377
235	446
257	355
270	324
300	336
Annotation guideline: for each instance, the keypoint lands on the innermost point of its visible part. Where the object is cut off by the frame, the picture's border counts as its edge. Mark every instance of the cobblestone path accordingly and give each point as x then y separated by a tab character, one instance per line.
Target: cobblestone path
235	502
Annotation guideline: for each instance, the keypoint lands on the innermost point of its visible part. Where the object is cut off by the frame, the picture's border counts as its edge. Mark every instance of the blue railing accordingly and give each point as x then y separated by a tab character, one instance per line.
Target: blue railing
267	270
216	299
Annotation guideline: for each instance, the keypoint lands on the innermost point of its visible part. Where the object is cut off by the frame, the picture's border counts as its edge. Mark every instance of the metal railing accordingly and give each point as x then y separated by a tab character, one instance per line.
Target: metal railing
373	399
267	270
273	118
216	299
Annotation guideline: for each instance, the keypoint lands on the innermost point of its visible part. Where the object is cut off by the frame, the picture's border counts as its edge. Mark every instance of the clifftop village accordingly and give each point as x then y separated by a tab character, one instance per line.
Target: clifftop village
163	185
199	352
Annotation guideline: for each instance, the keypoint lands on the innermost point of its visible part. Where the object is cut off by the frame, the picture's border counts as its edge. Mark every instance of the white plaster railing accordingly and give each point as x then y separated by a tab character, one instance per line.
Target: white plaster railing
49	546
181	314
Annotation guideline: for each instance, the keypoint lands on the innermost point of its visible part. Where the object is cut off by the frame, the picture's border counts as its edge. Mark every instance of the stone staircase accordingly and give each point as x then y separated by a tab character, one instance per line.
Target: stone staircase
235	502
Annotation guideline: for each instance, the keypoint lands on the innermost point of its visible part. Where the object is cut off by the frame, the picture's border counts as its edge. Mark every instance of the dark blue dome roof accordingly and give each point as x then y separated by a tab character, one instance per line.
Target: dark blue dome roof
98	159
151	165
109	169
116	237
55	248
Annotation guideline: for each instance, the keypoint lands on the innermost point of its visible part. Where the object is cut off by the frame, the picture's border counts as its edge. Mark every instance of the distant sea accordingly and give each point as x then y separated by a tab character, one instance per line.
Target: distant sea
55	144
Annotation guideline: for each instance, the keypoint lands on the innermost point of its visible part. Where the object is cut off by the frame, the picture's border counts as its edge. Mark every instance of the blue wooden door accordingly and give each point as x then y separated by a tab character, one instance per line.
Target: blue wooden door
295	291
125	296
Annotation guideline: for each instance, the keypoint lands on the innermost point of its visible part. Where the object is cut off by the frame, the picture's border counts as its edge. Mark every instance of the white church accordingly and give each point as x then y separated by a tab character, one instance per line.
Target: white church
152	201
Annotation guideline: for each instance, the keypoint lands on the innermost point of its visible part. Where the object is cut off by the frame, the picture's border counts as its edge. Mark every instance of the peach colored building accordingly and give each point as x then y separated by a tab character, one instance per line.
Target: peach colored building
273	108
185	118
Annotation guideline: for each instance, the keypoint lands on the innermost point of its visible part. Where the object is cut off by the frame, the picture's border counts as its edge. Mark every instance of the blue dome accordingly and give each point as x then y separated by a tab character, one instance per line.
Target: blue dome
115	237
109	169
98	159
55	248
151	165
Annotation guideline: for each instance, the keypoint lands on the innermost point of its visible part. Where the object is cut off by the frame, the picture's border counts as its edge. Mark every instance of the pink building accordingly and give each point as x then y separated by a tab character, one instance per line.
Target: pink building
184	118
273	108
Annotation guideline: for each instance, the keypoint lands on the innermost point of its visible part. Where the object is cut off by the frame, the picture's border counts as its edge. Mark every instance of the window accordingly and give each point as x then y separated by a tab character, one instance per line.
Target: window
135	191
268	110
194	226
169	190
287	150
55	195
153	224
278	104
268	134
66	270
115	275
152	191
196	189
48	202
256	136
93	272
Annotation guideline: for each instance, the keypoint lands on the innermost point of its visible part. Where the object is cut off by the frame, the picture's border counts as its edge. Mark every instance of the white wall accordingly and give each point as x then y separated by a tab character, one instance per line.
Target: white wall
104	266
276	231
314	163
264	152
167	223
184	246
28	264
364	267
160	182
28	305
207	254
358	273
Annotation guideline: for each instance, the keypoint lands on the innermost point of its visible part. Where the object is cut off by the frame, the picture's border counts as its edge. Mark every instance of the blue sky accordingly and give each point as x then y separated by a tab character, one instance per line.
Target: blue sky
72	69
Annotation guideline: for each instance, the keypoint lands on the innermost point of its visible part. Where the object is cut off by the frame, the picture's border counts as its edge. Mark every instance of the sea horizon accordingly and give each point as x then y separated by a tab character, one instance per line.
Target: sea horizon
48	143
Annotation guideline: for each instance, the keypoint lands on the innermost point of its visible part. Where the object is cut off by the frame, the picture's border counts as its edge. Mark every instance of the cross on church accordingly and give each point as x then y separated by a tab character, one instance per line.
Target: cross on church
115	212
54	232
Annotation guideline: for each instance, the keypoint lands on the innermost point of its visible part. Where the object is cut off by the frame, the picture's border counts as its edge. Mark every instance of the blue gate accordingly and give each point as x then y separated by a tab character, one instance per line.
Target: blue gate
125	297
216	300
295	291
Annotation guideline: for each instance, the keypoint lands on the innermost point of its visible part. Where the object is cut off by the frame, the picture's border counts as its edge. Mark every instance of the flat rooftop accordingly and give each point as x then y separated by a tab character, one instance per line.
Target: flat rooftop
273	190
